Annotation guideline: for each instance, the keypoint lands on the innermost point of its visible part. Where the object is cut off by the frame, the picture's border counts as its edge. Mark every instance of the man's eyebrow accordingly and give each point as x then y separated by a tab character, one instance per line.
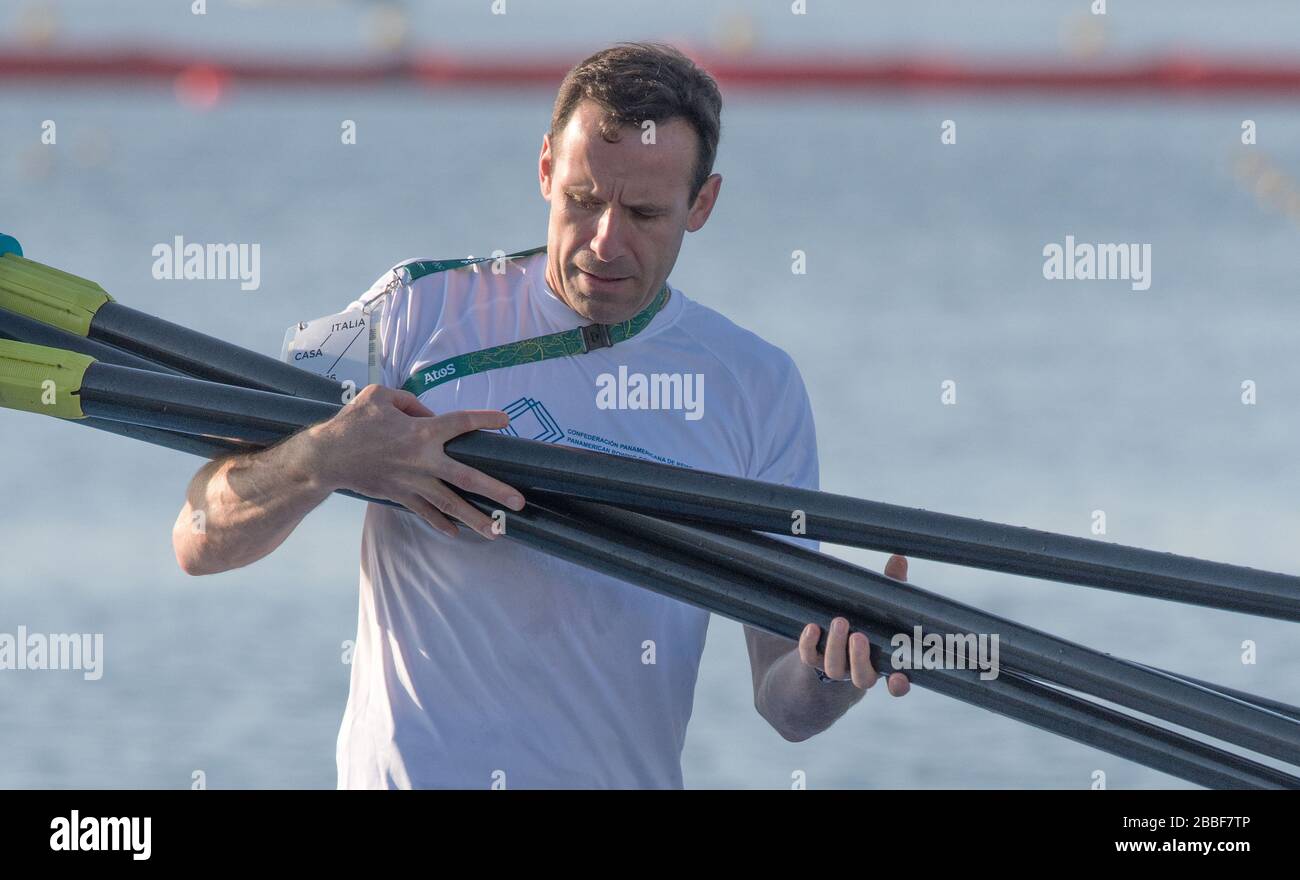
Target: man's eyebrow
583	189
649	207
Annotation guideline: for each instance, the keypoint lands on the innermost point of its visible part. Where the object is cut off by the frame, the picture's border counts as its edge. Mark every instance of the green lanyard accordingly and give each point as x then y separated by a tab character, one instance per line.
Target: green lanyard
565	343
419	268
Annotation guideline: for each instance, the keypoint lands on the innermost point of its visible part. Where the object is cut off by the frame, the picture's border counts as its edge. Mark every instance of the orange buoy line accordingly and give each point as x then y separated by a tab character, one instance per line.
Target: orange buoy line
1181	73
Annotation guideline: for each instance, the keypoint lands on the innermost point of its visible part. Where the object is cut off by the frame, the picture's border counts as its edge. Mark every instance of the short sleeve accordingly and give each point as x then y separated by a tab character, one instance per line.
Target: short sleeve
399	309
787	437
787	440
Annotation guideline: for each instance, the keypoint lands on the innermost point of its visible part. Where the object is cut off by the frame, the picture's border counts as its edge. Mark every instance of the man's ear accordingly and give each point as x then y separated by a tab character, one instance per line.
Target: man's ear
704	202
545	167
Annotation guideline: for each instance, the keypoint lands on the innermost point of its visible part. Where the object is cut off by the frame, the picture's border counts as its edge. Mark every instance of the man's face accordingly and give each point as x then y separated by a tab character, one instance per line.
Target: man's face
618	212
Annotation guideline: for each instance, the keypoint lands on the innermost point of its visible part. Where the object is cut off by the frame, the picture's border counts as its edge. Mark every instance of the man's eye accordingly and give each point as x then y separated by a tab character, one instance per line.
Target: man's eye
645	215
581	202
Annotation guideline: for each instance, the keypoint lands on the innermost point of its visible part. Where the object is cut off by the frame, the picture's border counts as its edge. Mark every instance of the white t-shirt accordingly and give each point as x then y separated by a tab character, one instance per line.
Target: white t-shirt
482	663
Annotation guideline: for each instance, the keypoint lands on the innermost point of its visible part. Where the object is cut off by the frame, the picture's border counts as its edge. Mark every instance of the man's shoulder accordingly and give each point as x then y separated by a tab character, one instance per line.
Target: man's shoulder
497	265
437	278
782	442
744	352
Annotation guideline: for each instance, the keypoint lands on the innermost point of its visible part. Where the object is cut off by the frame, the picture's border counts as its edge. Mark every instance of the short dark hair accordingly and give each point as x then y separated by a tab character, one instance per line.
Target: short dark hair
635	82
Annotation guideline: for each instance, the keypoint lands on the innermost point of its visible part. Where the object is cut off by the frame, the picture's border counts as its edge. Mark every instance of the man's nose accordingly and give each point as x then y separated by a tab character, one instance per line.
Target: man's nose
608	243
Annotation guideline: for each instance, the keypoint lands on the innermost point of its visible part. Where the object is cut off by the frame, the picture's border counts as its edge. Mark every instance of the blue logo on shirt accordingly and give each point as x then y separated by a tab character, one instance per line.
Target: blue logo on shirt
530	420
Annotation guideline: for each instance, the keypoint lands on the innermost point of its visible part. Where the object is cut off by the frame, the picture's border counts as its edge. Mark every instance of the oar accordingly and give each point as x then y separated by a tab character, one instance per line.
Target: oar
20	328
23	329
176	403
1265	702
785	611
81	306
642	562
720	500
901	607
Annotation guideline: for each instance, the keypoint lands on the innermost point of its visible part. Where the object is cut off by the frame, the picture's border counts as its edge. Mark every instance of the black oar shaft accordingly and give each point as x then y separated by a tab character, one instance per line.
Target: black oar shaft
24	329
181	404
1277	706
716	499
902	606
720	500
116	393
205	357
784	612
208	447
702	497
780	611
195	406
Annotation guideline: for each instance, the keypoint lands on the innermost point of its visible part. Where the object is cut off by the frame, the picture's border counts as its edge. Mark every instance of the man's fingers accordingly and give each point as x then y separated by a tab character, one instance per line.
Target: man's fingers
410	404
808	652
898	684
864	673
896	567
466	420
423	508
453	505
837	656
465	477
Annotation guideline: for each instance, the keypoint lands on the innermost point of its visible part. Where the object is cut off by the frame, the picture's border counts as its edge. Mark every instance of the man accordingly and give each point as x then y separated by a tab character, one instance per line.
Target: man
480	662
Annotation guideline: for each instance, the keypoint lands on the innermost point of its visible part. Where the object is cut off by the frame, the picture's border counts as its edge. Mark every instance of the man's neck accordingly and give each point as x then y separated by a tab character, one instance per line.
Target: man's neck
551	277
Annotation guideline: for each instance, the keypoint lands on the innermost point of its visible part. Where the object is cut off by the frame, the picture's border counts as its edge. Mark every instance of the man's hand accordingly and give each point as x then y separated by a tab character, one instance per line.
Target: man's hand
850	657
386	444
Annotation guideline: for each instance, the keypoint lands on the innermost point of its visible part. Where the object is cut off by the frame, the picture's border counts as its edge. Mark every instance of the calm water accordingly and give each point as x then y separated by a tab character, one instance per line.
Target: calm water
924	266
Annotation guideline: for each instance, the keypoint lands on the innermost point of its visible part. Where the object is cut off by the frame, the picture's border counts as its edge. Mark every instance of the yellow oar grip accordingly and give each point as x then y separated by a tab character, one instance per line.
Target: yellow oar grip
40	379
49	295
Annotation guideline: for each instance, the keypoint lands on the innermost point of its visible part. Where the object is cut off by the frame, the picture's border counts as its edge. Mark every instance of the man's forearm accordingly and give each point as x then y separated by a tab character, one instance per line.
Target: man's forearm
797	703
239	509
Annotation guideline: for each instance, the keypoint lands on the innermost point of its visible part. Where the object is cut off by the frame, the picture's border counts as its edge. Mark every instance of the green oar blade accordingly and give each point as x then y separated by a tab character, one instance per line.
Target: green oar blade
79	306
47	294
42	380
